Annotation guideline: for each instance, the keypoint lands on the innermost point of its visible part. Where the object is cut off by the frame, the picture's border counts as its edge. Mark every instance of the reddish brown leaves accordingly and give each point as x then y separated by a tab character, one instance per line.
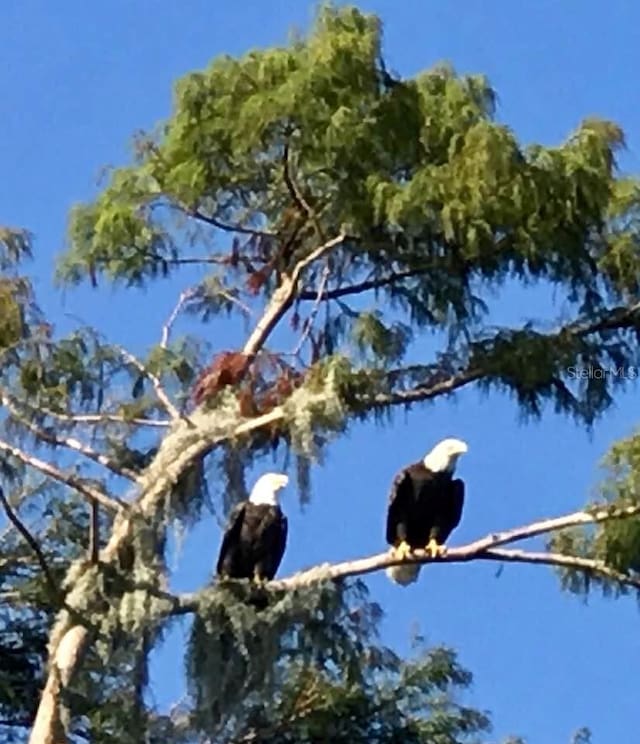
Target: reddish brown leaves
280	389
227	368
262	383
257	279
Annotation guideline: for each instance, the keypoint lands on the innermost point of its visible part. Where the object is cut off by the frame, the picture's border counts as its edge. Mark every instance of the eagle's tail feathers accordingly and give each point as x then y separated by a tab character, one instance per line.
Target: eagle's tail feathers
404	574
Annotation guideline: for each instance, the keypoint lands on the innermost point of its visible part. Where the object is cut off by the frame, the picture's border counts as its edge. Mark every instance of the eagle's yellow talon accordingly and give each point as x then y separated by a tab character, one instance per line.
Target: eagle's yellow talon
435	550
402	551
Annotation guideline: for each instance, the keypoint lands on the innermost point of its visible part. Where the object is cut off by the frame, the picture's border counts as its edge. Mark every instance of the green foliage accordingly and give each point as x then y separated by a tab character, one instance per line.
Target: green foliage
615	542
15	246
417	168
622	465
18	310
241	634
620	545
386	706
13	326
370	332
618	541
537	367
313	653
123	616
317	410
582	736
26	610
22	650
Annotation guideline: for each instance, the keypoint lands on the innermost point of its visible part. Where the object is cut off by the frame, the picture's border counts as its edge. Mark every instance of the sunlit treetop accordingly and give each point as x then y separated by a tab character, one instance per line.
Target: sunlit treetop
283	149
306	140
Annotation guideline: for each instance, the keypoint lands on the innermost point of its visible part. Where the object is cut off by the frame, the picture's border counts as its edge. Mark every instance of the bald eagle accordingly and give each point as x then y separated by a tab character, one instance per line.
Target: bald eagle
425	506
256	534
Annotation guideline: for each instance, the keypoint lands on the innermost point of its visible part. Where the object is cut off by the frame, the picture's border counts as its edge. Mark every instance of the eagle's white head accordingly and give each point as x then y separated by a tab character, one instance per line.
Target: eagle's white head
266	488
443	458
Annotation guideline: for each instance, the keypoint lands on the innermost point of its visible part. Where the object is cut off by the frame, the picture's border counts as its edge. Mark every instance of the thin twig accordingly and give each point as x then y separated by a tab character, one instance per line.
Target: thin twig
13	597
94	533
77	446
209	220
78	484
95	419
218	260
235	301
226	227
15	520
297	195
308	325
193	293
155	381
185	296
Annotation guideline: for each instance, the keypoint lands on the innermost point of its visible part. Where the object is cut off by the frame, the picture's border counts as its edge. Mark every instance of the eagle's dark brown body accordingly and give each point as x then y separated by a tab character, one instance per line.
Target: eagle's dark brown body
423	506
253	543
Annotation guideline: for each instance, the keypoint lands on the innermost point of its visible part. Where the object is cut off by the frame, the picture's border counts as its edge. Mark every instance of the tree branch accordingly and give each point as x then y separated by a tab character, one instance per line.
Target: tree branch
588	565
68	442
297	195
85	489
217	260
213	221
308	324
334	294
54	590
155	381
190	602
166	328
281	299
486	548
426	390
226	227
618	317
74	444
95	419
582	517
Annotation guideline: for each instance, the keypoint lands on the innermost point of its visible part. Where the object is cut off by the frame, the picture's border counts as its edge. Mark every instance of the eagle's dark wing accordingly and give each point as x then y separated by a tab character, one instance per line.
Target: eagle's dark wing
453	513
278	543
281	543
401	498
231	536
269	539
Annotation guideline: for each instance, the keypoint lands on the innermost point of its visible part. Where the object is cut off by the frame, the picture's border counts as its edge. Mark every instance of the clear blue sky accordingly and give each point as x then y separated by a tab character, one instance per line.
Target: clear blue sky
77	79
